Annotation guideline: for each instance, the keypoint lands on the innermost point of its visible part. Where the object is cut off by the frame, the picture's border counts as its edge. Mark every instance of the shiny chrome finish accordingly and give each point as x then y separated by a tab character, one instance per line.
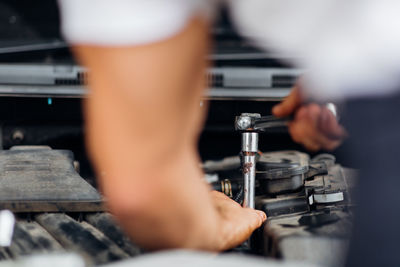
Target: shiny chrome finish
250	142
243	122
249	152
333	108
249	176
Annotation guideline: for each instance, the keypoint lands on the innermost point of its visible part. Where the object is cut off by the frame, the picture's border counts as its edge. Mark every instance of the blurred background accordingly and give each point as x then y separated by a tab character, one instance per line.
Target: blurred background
42	87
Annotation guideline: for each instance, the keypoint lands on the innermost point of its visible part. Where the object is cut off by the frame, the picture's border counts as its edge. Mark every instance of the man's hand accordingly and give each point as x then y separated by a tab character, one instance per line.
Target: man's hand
235	224
313	126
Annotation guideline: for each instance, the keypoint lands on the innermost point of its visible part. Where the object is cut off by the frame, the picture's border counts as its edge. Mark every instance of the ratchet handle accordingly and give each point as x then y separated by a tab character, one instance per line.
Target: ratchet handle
254	122
267	122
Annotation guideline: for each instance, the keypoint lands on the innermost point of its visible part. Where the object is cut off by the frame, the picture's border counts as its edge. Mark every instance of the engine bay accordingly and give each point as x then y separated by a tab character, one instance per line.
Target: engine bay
308	201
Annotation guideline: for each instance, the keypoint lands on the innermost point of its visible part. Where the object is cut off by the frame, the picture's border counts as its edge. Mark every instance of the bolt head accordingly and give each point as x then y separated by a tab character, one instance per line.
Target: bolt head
243	123
18	136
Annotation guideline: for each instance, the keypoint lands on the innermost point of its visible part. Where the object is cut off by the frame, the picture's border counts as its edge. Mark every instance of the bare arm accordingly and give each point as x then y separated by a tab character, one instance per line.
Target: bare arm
142	120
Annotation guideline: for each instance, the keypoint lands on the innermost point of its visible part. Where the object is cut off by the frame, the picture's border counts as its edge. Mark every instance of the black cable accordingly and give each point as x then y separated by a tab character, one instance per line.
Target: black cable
239	196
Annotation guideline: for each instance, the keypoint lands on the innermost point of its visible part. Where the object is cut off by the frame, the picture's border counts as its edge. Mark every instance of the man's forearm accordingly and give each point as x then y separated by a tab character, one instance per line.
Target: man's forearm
143	119
142	122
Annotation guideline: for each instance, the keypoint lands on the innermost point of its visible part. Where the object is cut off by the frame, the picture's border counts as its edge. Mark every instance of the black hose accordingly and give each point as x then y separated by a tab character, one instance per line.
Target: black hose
239	196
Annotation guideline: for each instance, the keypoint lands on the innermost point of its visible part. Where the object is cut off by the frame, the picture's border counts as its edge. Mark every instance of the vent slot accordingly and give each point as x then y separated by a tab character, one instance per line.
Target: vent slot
215	80
81	79
283	81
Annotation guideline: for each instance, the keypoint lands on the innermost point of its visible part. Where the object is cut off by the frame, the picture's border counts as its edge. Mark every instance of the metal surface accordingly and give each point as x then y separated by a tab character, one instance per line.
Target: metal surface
249	177
41	179
243	122
50	45
69	91
255	123
250	142
267	122
249	152
328	198
80	91
254	94
68	80
42	74
333	108
282	171
226	187
250	124
252	77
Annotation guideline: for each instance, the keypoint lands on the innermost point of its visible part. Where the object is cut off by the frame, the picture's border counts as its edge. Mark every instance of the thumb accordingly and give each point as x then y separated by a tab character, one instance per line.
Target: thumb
255	217
289	104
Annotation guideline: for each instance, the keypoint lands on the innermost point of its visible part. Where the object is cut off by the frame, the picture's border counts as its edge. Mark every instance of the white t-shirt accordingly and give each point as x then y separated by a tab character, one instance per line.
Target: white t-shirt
349	48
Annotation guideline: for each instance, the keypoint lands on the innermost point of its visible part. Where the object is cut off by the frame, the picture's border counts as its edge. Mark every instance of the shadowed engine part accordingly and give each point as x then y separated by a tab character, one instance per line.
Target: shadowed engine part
39	179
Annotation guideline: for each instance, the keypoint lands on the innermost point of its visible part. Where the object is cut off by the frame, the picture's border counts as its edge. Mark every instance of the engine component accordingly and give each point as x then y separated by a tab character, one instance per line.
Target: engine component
282	171
39	179
7	221
309	209
249	153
